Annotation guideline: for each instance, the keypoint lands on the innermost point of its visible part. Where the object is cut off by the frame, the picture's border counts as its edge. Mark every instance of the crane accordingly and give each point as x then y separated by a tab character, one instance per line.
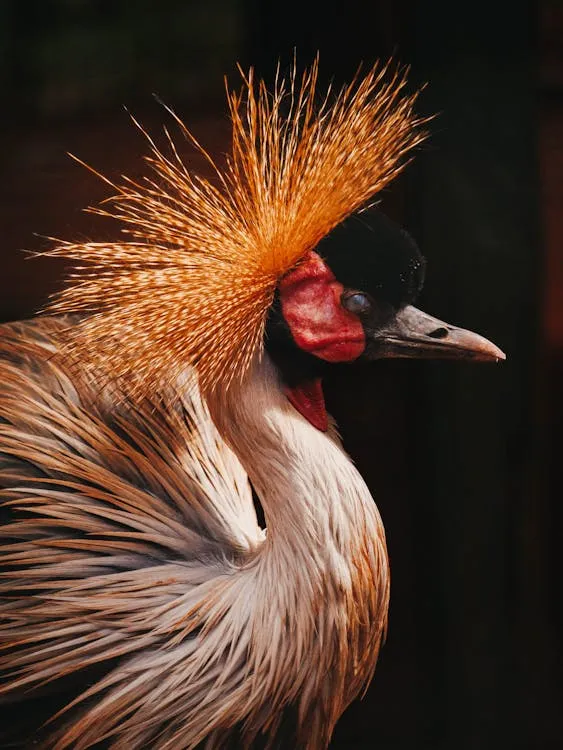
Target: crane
179	371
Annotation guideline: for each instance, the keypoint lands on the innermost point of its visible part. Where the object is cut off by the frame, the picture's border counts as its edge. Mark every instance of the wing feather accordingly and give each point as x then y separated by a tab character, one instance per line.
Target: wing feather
117	519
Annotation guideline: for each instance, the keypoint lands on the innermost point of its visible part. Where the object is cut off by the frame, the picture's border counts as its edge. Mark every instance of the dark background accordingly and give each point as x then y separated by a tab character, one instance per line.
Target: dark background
463	460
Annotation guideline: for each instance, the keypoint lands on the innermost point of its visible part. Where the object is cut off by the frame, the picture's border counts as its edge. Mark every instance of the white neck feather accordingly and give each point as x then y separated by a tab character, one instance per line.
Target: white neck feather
321	579
309	488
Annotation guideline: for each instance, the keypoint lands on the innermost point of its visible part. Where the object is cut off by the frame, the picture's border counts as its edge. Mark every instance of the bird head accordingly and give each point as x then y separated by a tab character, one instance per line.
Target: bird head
279	251
352	300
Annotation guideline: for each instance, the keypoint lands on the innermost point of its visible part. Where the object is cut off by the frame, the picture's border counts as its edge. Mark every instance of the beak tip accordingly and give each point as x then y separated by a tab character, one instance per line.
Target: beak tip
493	353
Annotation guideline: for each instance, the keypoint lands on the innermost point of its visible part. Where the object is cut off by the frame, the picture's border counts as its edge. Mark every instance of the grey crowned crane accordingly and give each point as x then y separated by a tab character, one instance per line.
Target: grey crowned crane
179	370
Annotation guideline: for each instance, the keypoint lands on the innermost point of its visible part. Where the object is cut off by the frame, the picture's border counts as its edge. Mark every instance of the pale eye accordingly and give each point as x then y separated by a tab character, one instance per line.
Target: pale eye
357	303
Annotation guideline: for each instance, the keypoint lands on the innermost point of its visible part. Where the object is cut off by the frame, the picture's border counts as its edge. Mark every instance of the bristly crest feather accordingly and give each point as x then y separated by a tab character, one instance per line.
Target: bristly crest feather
197	272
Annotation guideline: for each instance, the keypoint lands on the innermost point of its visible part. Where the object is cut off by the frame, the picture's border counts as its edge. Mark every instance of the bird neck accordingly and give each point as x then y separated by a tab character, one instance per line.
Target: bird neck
321	578
306	483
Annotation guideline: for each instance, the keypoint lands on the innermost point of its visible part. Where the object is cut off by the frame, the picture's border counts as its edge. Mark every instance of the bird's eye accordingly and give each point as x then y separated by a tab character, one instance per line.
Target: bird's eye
356	302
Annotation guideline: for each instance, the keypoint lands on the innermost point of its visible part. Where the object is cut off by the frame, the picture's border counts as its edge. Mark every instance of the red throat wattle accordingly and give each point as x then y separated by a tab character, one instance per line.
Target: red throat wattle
319	325
308	398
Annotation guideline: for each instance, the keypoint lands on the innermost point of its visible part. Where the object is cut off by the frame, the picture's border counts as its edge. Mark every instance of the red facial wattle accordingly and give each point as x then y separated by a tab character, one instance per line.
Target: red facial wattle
311	305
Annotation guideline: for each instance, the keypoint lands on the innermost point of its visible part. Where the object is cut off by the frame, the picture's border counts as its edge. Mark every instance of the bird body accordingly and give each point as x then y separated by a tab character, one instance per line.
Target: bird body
166	567
181	368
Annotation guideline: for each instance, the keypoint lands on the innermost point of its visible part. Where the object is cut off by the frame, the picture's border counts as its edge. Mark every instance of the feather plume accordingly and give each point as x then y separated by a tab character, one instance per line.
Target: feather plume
194	278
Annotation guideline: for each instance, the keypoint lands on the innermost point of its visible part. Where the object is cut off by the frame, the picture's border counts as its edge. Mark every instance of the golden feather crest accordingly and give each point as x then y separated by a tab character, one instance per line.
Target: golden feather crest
197	272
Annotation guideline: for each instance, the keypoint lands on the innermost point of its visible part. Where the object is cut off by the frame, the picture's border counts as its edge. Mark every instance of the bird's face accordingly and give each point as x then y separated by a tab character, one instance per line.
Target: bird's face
351	300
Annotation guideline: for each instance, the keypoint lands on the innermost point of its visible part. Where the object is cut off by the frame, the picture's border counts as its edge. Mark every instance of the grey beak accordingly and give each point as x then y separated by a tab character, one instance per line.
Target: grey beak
416	335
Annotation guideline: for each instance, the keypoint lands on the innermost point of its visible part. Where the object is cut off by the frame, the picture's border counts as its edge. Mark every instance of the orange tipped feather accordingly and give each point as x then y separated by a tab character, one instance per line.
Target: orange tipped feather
197	272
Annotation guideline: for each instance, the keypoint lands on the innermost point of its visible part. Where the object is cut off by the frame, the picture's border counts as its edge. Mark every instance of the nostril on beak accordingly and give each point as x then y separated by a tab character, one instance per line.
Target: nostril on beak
438	333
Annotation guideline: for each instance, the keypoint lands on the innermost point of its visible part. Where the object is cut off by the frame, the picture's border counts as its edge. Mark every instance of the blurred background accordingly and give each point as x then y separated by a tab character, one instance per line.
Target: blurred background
462	459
